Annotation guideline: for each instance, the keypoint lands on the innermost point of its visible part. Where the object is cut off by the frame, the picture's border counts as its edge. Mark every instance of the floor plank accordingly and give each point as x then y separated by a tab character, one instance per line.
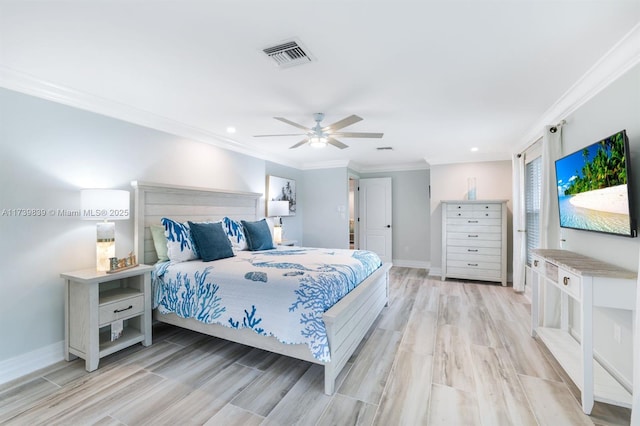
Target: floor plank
441	353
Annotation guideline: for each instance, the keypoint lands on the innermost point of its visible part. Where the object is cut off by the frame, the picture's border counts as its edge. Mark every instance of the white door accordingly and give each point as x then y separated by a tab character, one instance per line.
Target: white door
375	216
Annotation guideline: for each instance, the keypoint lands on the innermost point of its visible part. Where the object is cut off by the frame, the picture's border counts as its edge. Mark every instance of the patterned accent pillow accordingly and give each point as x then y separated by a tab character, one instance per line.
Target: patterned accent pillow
235	232
180	247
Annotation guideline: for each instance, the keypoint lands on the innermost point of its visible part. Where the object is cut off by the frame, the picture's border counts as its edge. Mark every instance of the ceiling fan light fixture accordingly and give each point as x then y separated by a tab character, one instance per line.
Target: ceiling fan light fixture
318	141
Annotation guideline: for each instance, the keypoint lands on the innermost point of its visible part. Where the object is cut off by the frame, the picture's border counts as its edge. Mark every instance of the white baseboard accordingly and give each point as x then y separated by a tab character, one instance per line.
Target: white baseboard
435	271
24	364
411	264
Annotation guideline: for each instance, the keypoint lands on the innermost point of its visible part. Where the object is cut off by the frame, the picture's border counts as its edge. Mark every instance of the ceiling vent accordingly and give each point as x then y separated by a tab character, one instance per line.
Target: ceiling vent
288	54
385	148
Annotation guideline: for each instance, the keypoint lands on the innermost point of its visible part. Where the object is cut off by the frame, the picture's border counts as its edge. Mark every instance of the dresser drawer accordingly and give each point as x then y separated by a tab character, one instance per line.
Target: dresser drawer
487	207
475	214
473	264
472	236
119	309
569	282
473	258
451	208
474	229
473	242
474	273
484	251
474	221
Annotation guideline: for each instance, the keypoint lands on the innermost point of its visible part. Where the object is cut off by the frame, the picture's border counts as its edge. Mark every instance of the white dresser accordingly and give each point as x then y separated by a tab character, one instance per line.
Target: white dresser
474	240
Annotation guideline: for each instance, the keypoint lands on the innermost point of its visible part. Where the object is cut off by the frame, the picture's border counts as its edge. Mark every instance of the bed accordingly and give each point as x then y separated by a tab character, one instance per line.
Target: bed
345	323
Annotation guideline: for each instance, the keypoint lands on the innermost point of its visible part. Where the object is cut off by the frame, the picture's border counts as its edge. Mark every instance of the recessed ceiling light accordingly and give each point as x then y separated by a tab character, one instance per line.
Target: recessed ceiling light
231	129
474	149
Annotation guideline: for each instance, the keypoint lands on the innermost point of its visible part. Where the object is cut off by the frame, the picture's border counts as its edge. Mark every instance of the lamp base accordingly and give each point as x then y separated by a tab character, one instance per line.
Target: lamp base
277	234
105	245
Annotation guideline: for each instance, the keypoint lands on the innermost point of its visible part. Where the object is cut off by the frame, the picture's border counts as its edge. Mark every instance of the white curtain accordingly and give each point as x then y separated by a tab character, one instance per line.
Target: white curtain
635	413
549	221
519	223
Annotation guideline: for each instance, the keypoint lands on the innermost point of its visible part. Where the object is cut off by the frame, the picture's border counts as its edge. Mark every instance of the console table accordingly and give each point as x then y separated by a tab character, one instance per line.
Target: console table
591	283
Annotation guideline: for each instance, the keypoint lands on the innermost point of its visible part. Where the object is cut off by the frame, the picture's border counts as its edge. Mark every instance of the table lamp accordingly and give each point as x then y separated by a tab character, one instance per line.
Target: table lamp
105	205
277	209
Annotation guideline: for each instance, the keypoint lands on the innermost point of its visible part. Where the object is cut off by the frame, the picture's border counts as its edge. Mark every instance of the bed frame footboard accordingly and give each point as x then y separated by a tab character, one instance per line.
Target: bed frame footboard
349	320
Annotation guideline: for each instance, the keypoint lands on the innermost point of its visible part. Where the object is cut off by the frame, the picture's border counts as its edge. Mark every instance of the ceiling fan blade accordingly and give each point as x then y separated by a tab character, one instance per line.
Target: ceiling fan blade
286	134
336	143
352	119
358	135
302	142
299	126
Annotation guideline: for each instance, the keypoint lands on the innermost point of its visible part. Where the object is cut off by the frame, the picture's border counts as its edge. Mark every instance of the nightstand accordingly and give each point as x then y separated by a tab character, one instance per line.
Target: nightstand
288	243
94	300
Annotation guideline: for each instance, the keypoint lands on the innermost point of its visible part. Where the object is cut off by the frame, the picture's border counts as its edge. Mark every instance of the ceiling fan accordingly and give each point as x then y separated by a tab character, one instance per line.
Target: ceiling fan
318	136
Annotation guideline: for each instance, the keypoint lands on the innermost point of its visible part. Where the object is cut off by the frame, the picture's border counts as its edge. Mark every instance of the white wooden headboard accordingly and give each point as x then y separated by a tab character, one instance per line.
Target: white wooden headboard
153	201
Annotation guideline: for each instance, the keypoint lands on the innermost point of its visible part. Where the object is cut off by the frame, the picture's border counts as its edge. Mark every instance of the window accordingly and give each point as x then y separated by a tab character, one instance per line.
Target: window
532	189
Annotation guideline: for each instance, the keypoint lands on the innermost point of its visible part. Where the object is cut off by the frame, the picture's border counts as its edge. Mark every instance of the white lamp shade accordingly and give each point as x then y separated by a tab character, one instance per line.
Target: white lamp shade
278	208
104	204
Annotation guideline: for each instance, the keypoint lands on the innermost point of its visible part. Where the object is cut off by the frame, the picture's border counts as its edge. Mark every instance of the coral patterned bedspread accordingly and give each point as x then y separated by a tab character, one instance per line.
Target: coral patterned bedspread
281	293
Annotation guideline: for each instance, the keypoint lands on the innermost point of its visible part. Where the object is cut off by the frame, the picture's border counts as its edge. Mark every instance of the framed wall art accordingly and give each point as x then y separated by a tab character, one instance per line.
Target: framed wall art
282	189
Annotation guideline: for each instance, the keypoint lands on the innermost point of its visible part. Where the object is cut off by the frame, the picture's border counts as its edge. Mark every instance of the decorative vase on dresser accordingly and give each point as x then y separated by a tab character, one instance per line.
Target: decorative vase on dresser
474	240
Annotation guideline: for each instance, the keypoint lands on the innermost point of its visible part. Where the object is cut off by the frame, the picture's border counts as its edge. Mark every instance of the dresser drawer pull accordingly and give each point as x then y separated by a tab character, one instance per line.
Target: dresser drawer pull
472	236
565	280
472	250
535	263
472	221
472	264
117	311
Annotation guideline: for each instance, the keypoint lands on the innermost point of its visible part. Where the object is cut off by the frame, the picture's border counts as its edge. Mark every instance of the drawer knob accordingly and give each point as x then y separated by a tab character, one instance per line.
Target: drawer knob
472	250
116	311
535	263
472	264
565	280
472	221
472	236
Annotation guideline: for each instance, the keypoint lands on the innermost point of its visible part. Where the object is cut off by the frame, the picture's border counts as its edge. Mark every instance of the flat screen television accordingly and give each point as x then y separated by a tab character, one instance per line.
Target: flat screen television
594	188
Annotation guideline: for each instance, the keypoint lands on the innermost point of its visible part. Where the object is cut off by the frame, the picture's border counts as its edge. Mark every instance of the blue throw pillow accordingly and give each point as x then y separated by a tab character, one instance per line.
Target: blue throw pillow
211	241
258	235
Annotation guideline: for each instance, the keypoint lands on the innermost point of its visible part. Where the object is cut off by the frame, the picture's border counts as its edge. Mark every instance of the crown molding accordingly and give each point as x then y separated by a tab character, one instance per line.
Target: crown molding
325	165
30	85
621	58
406	167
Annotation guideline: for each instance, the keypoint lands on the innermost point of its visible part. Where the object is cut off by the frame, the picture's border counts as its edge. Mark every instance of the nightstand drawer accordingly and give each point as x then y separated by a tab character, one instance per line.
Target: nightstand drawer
123	308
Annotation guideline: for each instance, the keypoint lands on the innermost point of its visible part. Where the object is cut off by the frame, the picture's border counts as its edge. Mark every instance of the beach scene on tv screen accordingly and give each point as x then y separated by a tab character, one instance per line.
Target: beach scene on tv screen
592	188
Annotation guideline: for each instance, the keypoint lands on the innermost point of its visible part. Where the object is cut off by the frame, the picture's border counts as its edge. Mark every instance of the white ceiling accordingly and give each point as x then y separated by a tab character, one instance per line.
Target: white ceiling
437	77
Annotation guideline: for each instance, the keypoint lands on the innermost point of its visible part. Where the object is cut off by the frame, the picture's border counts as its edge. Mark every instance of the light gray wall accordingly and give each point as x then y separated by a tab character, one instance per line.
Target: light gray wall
411	216
48	152
449	182
326	191
292	225
617	107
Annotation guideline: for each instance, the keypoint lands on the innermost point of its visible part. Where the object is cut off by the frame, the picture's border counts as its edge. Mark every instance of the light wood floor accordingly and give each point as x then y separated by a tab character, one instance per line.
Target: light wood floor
441	353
